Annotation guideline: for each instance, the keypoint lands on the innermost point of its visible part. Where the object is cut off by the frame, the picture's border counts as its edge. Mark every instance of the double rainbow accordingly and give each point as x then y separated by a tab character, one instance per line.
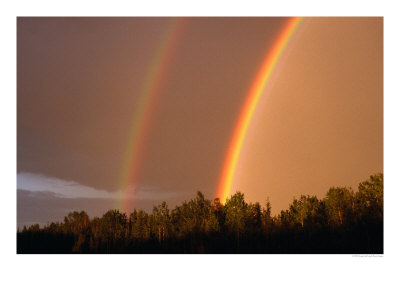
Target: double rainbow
250	104
155	79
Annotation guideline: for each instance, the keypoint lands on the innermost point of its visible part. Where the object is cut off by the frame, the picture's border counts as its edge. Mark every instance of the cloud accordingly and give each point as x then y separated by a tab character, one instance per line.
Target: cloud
149	193
71	189
63	188
42	199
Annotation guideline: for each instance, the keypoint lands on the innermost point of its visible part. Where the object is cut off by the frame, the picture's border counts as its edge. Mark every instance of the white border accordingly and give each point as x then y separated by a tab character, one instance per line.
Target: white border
207	276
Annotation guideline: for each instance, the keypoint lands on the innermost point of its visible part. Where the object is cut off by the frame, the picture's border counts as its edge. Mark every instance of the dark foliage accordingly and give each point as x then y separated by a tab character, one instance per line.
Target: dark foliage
342	222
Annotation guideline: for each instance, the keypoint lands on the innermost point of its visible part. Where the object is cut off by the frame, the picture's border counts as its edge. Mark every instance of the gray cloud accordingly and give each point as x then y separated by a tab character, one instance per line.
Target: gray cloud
42	199
63	188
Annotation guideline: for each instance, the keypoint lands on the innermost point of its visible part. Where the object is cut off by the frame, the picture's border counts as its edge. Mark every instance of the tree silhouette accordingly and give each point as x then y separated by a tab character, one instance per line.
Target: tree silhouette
342	222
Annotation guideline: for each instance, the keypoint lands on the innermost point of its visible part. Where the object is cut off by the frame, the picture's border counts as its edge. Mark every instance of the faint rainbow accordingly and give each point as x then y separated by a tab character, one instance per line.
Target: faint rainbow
250	104
154	81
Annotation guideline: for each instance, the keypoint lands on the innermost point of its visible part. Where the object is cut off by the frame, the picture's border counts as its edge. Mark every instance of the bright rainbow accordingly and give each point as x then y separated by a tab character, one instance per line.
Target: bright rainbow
252	99
150	92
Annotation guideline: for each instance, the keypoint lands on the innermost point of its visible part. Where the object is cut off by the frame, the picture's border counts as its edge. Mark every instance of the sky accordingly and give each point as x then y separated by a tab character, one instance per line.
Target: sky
82	83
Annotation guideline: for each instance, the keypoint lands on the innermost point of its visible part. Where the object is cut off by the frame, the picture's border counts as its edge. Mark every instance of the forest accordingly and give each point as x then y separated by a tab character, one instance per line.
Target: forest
343	222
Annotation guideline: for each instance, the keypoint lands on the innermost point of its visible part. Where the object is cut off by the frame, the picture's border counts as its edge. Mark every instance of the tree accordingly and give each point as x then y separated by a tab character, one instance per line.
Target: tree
139	224
304	209
77	222
254	216
161	220
339	202
370	196
267	220
236	213
195	216
113	226
343	222
298	211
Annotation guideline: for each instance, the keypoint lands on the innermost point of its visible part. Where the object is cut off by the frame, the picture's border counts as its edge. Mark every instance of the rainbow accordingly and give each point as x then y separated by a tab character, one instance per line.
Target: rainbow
250	104
154	81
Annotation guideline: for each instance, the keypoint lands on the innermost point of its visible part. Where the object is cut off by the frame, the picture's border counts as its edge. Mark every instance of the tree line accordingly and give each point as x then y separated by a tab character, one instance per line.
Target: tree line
344	221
